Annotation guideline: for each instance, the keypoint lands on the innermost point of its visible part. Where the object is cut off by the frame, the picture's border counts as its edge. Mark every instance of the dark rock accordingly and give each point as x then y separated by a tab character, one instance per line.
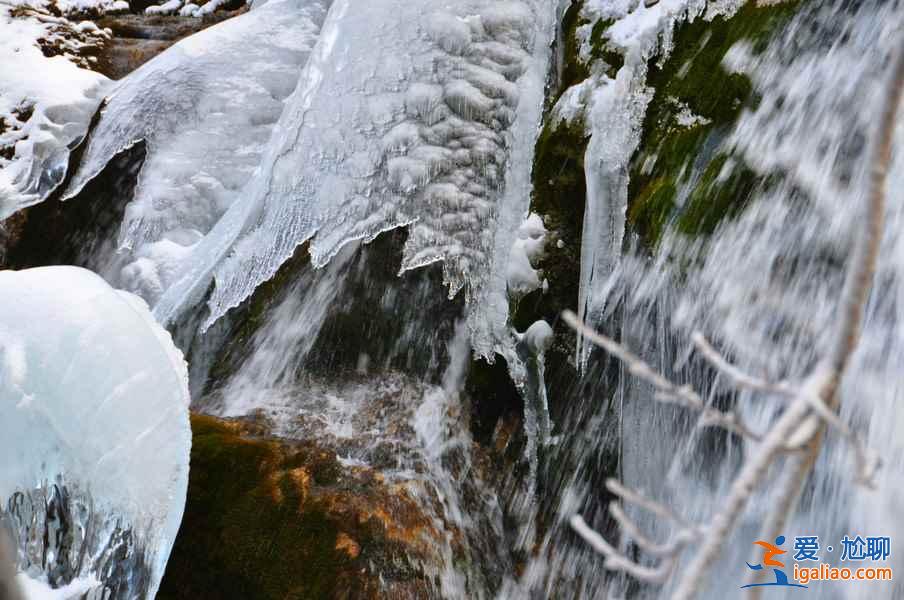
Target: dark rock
268	518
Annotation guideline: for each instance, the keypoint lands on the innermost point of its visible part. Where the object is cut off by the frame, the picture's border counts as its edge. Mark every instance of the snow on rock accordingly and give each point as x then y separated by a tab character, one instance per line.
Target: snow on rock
46	103
167	8
408	113
188	9
75	8
521	276
206	108
538	337
95	432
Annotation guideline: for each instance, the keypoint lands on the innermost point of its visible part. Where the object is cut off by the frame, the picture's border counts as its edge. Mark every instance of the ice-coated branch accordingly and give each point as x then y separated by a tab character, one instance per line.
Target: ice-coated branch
859	277
736	375
660	510
823	382
867	461
857	285
668	552
616	561
666	391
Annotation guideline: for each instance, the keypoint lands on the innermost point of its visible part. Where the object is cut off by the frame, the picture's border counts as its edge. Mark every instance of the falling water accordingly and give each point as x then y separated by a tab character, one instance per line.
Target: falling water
764	288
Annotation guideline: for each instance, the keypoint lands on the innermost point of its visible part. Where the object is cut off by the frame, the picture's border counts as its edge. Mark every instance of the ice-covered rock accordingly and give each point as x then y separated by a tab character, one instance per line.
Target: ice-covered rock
46	102
205	107
95	433
420	114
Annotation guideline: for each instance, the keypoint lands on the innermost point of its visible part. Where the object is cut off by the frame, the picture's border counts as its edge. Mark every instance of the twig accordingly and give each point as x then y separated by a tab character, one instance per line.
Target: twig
738	377
867	461
616	561
666	391
660	510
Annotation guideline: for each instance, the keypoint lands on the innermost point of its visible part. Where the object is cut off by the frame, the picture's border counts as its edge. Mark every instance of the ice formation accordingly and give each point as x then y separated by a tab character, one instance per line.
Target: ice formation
407	113
95	433
612	109
205	108
46	103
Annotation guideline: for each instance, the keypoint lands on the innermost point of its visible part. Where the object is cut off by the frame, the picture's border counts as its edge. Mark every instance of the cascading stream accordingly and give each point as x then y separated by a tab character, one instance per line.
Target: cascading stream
764	287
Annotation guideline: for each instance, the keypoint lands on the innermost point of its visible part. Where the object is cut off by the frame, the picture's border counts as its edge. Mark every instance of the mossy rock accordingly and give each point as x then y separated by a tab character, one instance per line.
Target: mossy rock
693	79
271	519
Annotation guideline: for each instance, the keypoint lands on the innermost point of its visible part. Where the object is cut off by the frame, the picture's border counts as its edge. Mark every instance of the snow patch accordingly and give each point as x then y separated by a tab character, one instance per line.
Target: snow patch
521	276
46	103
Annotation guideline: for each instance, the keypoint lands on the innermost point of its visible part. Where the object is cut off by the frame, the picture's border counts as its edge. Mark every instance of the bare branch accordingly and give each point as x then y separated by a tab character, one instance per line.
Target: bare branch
666	391
660	510
616	561
858	280
632	530
813	405
867	461
823	382
737	376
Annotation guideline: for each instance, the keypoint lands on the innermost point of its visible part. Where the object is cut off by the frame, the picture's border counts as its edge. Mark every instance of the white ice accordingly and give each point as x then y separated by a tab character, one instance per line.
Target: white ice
612	110
206	108
408	112
521	276
94	393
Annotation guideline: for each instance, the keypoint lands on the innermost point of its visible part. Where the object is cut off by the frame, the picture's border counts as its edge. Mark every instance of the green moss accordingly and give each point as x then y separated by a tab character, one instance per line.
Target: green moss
653	206
559	195
573	68
717	196
600	49
693	77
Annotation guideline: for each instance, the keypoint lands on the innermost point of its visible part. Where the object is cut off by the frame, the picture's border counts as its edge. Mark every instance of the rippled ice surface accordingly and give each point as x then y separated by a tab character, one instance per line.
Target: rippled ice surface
95	433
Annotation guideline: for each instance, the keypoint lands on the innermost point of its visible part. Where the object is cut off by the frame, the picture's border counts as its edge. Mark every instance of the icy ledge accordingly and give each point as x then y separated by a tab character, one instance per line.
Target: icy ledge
408	113
95	433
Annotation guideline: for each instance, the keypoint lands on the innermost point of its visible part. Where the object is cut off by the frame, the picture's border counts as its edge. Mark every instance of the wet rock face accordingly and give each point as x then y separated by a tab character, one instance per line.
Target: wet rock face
267	518
137	38
72	233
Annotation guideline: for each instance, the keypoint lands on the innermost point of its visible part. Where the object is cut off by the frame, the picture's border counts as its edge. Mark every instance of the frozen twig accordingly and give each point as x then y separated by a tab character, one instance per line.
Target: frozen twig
867	461
738	377
823	382
666	391
660	510
616	561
